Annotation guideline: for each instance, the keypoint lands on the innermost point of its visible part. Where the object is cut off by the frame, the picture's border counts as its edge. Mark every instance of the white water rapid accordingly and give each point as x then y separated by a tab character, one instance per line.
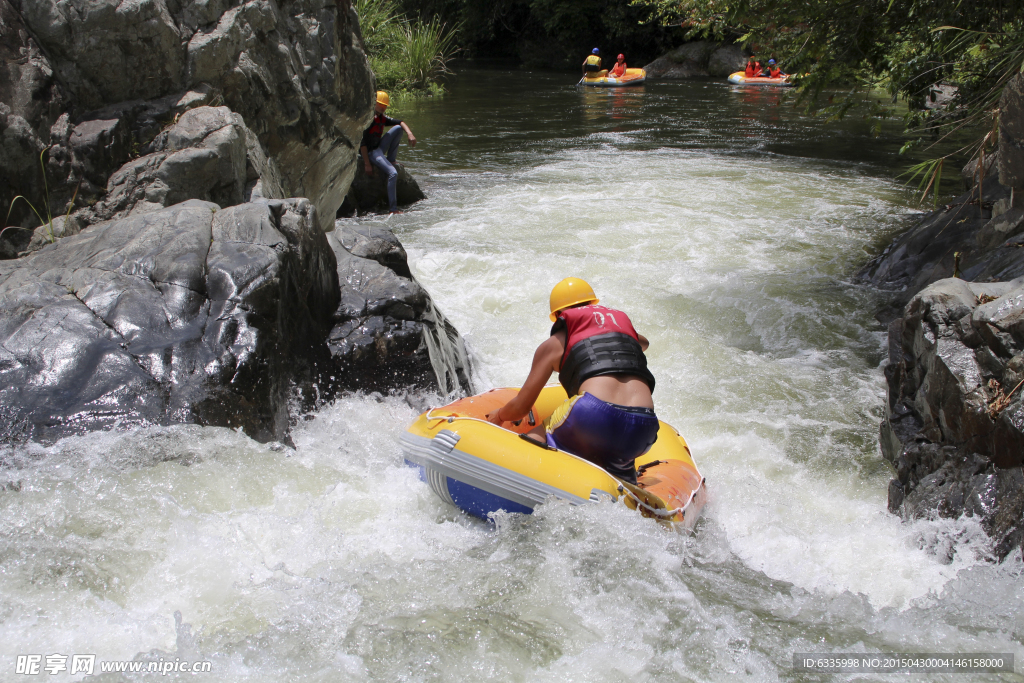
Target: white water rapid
333	562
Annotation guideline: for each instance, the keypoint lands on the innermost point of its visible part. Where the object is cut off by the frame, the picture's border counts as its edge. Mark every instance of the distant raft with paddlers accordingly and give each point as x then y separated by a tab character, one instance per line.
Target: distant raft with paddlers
481	468
602	79
741	78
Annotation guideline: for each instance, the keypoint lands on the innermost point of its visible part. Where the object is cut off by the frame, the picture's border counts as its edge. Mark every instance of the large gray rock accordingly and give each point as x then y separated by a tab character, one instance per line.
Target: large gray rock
295	72
700	58
388	334
186	314
202	156
954	428
960	236
726	60
177	286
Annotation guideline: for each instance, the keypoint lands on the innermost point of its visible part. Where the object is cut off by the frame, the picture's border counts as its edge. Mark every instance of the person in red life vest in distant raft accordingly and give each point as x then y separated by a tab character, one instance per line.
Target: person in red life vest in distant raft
619	70
609	417
382	148
753	67
774	71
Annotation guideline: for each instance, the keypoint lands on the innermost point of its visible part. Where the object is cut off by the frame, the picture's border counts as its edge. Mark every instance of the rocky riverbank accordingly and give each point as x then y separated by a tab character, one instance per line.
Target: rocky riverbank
701	58
954	425
195	160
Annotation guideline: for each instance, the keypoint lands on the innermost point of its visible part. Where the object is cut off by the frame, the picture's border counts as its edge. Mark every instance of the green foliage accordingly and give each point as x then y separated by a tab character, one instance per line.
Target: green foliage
929	172
906	46
837	49
550	32
404	55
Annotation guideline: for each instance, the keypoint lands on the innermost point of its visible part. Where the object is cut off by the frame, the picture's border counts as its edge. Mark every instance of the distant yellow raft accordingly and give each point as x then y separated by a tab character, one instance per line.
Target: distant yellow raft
602	79
482	468
741	78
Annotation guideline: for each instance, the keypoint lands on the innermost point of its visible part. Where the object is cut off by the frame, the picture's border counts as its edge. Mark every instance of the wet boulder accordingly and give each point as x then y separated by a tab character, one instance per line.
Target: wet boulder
727	59
697	59
369	193
185	314
387	333
954	428
961	238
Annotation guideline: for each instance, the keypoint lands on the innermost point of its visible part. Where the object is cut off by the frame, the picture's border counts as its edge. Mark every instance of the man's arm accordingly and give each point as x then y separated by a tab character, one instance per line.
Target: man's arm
545	361
408	132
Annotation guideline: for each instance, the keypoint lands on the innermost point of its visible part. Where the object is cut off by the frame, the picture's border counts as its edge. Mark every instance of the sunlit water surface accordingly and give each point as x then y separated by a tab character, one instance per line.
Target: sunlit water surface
728	226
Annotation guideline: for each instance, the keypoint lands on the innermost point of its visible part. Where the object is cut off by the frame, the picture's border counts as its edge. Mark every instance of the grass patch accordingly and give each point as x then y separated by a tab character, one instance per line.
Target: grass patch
48	222
407	57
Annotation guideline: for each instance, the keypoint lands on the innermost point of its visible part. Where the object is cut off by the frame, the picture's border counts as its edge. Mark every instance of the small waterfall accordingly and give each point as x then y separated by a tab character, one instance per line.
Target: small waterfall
447	354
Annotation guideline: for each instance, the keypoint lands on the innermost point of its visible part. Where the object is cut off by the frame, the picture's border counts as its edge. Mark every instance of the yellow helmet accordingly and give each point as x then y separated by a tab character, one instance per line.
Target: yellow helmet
382	98
569	292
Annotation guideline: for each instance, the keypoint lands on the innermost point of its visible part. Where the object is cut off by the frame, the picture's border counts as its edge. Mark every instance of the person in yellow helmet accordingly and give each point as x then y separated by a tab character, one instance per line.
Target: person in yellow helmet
609	416
381	149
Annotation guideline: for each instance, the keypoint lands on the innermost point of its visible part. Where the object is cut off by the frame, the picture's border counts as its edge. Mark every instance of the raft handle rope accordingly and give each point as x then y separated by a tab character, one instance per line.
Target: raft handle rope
643	468
665	513
654	511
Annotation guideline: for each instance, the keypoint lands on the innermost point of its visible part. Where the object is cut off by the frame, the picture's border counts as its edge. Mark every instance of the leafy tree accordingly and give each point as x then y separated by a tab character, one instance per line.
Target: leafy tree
905	46
550	32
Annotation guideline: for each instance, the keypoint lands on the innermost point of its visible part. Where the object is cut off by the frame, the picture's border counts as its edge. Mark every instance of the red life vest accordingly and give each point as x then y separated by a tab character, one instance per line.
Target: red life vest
750	70
599	341
586	321
376	129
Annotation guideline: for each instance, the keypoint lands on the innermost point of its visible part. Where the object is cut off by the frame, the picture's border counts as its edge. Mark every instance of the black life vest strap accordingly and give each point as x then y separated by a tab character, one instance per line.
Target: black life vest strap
604	354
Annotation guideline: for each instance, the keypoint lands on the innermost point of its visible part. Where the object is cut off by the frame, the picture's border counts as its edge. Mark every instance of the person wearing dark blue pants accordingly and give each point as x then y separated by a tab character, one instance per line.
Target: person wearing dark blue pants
380	149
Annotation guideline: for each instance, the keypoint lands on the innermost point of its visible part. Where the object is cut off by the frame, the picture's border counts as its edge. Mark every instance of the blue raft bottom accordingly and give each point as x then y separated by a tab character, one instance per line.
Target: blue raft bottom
473	500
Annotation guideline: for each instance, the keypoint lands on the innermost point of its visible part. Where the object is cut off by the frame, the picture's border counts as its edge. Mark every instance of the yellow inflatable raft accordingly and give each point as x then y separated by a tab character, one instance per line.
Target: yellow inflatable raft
602	79
740	78
482	468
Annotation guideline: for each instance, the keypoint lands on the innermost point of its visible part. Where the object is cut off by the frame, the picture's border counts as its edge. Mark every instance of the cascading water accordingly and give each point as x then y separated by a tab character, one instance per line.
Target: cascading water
447	353
728	226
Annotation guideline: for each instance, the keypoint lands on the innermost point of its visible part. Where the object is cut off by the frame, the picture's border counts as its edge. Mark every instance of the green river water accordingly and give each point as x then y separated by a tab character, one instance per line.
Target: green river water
729	226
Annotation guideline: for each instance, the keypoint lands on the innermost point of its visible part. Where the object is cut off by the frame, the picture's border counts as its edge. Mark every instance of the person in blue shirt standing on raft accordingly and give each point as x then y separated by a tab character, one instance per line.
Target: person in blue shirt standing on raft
592	64
609	416
381	148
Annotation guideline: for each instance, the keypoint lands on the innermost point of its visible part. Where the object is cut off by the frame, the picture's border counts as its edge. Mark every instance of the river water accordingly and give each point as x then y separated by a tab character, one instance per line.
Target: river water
728	225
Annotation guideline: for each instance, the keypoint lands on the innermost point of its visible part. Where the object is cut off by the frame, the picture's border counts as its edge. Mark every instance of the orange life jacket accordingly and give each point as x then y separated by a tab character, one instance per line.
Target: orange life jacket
618	69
